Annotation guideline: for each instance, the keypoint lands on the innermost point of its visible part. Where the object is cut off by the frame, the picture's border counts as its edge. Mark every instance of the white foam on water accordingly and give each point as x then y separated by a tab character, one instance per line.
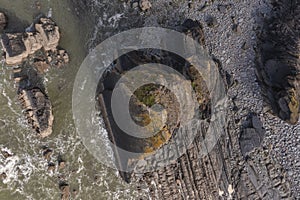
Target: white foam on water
10	103
14	165
114	19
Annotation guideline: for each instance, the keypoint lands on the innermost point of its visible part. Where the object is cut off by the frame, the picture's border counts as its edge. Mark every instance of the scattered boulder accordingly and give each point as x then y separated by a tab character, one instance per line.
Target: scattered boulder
145	5
65	191
3	21
211	21
41	66
61	162
252	134
3	176
51	167
47	154
61	165
236	28
223	8
6	154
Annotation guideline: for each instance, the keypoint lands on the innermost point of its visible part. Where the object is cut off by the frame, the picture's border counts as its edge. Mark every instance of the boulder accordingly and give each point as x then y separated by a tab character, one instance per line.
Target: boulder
14	48
41	66
252	134
145	5
65	191
48	32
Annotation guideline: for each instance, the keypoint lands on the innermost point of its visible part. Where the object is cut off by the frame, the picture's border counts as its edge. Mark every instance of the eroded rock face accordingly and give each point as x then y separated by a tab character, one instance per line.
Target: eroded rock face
278	63
38	110
19	46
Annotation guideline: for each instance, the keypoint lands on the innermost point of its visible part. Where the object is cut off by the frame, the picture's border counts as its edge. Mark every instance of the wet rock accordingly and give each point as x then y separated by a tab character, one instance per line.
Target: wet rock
3	21
51	167
58	58
41	66
145	5
6	154
47	154
65	191
38	110
61	164
3	176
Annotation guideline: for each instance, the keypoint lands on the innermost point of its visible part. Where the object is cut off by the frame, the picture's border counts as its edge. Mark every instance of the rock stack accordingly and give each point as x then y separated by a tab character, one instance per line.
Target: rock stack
278	64
34	51
18	46
38	110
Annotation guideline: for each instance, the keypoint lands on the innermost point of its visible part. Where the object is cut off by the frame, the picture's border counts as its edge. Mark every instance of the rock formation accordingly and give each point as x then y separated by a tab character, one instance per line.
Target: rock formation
35	51
38	110
278	61
18	46
236	168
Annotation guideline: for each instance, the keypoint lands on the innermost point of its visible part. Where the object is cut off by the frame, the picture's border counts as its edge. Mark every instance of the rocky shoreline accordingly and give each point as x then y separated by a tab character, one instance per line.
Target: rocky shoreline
258	157
243	165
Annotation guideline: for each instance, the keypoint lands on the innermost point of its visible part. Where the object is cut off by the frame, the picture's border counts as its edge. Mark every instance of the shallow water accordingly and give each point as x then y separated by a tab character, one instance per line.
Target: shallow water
27	173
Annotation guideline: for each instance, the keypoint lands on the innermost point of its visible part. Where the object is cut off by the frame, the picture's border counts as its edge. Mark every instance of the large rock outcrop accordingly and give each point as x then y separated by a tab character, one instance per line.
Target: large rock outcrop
35	51
278	59
18	46
38	110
